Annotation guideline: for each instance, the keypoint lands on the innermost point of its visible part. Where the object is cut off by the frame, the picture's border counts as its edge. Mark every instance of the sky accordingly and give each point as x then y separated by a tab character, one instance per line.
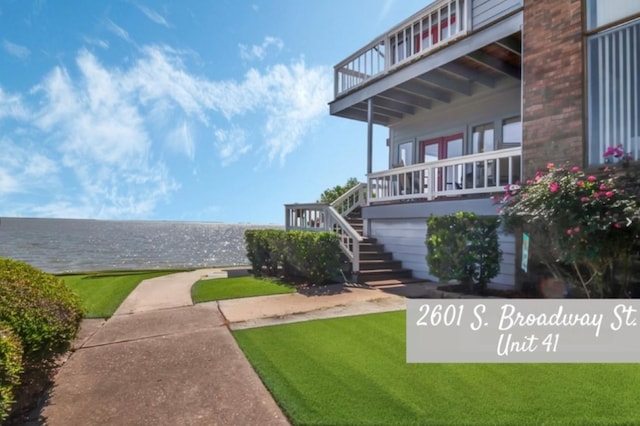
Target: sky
186	110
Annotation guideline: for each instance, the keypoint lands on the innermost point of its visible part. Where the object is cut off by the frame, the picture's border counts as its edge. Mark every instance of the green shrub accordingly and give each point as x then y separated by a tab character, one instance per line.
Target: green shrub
39	308
314	256
463	247
10	368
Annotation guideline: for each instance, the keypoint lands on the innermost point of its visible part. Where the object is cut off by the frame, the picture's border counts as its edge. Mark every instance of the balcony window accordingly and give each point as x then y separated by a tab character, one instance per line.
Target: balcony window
613	88
512	131
482	138
405	154
604	12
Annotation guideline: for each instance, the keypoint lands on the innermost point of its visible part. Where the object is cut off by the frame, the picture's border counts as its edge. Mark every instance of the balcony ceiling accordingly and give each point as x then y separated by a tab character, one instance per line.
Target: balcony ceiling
461	77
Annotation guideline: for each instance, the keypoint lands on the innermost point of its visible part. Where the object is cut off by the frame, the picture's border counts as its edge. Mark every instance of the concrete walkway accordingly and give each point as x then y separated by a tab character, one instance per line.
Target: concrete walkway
160	360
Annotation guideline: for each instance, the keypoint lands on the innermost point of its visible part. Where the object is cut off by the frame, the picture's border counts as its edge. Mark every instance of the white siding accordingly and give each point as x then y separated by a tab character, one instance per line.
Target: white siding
406	239
486	11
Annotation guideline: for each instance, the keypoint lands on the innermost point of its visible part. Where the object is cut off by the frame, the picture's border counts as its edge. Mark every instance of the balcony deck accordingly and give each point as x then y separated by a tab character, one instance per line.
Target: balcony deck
431	59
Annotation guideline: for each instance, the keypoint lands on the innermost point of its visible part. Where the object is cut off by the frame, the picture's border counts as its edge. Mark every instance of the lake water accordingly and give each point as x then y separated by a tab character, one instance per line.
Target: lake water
73	245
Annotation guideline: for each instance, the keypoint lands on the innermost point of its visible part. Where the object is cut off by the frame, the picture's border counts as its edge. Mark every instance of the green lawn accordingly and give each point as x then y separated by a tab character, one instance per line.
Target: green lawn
103	292
233	288
352	371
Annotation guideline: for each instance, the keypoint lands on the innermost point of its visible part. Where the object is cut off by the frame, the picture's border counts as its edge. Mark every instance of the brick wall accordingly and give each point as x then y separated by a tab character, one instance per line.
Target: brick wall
552	83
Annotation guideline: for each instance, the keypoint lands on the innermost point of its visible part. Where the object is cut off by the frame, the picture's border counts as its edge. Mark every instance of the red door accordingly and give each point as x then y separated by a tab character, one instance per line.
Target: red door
449	177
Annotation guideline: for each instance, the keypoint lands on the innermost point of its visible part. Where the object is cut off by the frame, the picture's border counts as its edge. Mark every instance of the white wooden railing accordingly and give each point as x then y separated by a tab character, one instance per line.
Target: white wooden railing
435	25
331	218
487	172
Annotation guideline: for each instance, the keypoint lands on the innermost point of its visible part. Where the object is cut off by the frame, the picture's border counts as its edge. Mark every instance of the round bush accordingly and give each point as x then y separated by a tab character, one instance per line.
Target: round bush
39	308
10	368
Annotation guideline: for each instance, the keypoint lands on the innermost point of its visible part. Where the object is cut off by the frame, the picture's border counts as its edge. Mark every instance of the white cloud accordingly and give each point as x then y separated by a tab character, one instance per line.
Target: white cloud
259	52
118	31
13	49
231	144
24	171
180	139
108	126
102	135
12	106
8	183
154	16
96	42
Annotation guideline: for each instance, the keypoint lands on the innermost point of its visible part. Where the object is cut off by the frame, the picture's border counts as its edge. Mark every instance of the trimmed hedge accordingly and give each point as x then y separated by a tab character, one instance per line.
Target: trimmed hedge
40	317
10	368
39	308
314	256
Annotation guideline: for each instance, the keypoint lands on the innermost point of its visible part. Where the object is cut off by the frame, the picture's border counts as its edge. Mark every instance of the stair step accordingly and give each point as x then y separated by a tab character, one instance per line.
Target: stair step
375	255
391	282
376	264
375	274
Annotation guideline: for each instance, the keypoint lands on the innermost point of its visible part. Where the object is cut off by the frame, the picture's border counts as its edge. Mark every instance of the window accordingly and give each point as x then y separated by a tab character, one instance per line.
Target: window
482	138
405	154
604	12
512	131
613	84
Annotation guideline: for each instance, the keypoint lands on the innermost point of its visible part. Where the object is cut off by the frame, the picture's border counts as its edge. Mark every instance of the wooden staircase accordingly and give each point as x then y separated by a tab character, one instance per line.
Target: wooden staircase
377	267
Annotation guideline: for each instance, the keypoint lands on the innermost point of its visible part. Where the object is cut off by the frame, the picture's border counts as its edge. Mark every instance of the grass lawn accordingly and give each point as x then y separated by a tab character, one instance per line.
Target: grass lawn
103	292
233	288
352	371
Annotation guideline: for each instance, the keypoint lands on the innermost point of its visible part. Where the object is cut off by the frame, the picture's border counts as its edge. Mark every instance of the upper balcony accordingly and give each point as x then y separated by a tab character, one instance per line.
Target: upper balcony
434	26
446	50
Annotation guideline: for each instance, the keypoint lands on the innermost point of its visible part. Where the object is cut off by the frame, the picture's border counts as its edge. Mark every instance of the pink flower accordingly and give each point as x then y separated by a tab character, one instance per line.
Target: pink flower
608	194
550	166
591	178
584	199
575	169
576	229
580	183
554	187
596	194
617	225
603	187
569	231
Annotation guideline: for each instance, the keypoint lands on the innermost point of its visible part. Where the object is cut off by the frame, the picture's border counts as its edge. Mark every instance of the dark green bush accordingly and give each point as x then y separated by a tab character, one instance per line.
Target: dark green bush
39	308
313	256
463	247
10	368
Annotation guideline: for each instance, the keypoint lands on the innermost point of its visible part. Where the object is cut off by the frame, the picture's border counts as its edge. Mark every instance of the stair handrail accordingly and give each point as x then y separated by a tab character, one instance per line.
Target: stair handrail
324	217
355	197
350	239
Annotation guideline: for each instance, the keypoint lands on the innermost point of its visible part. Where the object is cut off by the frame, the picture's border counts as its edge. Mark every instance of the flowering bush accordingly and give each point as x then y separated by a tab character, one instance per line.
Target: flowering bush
588	223
617	155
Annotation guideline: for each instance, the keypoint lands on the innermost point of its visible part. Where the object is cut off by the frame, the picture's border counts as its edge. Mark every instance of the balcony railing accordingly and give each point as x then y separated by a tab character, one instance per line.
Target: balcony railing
435	25
483	173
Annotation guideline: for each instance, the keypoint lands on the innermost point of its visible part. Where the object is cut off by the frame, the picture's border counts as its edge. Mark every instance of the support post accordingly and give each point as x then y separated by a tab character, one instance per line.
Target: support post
369	135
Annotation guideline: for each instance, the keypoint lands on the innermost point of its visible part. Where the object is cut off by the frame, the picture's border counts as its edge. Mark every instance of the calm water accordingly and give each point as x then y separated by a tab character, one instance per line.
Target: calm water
64	245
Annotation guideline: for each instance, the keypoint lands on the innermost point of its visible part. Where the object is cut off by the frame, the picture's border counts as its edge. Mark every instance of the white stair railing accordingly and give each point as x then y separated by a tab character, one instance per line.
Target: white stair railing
331	218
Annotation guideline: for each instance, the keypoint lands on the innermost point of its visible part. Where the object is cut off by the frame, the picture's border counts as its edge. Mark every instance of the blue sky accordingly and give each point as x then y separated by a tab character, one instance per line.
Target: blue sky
183	110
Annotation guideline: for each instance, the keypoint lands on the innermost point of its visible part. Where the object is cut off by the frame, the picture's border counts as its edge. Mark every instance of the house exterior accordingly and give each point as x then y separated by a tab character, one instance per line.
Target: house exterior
476	95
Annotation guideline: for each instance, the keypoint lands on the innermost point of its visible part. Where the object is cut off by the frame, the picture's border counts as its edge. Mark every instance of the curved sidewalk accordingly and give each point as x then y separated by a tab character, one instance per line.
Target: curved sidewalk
161	360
